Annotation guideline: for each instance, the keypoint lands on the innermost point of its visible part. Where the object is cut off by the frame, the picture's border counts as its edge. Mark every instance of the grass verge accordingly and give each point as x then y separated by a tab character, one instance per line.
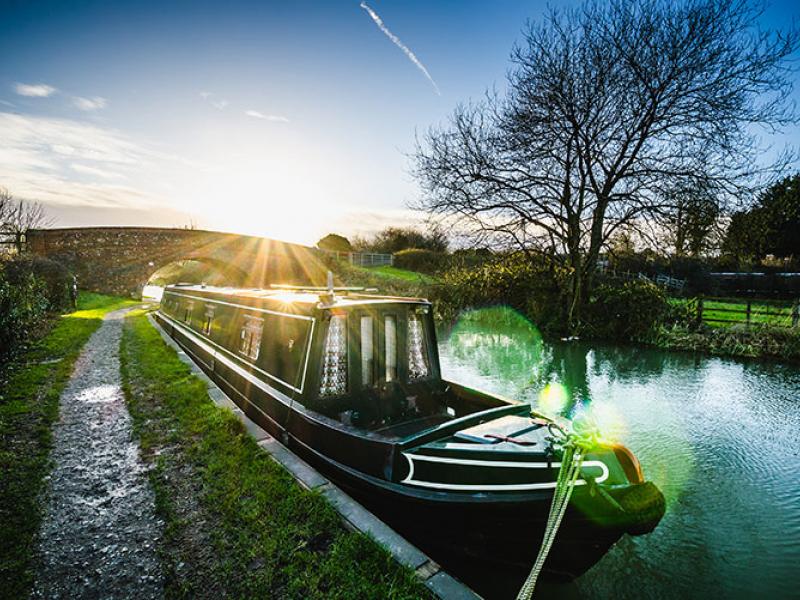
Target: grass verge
29	395
403	274
236	523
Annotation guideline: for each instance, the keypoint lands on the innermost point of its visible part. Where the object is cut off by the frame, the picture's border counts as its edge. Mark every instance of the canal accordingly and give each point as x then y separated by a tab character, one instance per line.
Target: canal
720	437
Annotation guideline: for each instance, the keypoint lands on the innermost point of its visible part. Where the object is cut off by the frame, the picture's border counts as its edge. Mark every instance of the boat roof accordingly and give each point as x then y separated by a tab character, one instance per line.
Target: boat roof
342	297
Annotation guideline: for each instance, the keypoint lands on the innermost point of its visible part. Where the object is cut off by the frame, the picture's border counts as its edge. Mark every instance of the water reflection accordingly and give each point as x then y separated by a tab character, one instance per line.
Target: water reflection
720	437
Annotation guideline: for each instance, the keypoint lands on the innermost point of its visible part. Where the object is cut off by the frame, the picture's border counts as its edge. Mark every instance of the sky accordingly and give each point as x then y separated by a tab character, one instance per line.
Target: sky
283	119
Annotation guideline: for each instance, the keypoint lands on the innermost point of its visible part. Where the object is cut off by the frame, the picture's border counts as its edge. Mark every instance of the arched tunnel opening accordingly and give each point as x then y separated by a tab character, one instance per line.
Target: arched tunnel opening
192	270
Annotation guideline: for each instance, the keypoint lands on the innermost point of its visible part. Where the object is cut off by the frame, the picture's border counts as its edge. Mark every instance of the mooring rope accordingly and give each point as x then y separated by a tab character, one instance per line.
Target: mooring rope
573	450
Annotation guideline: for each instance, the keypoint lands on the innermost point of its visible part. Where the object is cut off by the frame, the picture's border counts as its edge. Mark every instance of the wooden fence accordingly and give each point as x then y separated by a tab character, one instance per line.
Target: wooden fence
729	311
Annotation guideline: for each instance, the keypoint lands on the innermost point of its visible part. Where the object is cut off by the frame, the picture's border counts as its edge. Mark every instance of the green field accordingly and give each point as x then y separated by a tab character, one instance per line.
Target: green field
730	311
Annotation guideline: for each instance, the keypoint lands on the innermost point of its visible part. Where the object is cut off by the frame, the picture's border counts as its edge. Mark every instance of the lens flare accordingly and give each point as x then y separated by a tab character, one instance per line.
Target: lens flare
553	399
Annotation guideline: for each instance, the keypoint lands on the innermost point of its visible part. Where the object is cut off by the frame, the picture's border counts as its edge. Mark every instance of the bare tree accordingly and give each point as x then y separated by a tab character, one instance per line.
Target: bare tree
609	107
18	217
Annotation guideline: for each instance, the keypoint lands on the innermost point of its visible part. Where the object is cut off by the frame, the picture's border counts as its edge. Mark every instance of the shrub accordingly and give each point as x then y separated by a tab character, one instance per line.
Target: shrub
419	259
333	242
55	276
394	239
23	306
530	285
629	311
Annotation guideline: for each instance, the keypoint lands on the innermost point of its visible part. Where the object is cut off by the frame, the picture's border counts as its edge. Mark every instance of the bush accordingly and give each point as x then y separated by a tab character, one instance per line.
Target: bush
629	311
333	242
23	307
531	286
418	259
55	276
394	239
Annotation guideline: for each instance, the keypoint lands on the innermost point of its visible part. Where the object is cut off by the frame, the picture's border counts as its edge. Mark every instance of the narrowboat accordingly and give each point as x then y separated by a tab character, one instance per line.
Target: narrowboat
350	381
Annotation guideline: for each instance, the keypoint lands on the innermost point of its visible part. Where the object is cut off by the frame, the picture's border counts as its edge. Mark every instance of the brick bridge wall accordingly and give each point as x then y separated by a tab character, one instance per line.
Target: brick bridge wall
120	260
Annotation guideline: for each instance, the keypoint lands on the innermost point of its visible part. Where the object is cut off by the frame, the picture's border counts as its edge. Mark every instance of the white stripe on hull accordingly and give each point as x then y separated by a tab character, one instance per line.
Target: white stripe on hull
512	487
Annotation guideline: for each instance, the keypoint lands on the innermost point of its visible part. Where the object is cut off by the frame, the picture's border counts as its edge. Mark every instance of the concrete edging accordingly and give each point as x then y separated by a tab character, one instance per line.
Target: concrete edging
354	515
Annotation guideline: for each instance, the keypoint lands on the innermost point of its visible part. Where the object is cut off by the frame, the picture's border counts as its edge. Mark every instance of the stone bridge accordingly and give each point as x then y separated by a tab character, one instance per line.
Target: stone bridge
120	260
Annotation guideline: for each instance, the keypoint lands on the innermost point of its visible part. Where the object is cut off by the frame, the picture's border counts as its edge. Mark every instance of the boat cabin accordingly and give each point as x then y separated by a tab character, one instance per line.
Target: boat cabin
367	361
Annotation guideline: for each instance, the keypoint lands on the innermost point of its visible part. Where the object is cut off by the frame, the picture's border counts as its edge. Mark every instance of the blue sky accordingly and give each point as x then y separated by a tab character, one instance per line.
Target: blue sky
281	119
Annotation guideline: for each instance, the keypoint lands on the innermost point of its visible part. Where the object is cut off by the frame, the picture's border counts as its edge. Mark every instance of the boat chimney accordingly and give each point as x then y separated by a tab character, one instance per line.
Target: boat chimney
328	297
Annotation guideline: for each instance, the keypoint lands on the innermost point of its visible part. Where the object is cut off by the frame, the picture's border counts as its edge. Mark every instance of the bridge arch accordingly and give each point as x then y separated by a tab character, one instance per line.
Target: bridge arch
120	260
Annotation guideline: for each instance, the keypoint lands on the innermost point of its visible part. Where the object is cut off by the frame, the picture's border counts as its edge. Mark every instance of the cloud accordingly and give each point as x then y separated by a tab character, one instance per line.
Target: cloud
38	90
259	115
396	41
220	104
40	156
95	103
95	172
7	103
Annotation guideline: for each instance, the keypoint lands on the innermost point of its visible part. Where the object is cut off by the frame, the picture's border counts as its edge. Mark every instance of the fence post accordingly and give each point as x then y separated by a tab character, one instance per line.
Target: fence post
749	307
699	310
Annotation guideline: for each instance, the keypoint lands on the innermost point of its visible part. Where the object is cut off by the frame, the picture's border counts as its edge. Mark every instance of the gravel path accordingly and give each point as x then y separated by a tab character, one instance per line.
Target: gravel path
99	533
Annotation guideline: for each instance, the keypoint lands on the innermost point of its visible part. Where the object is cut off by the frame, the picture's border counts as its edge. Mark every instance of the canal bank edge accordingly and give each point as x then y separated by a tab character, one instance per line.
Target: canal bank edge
353	514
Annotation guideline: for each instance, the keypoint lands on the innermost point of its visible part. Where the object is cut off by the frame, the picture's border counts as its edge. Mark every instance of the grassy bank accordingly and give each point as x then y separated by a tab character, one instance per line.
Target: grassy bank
237	524
389	272
29	394
757	341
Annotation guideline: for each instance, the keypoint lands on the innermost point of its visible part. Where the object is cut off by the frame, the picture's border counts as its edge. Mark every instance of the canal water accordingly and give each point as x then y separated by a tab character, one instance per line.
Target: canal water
720	437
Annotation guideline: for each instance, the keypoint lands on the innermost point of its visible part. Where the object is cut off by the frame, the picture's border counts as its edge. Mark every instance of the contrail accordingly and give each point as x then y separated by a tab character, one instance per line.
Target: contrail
396	41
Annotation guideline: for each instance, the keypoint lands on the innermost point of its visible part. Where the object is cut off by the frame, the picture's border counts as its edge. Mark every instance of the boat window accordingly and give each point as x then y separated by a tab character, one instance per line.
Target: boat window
367	358
251	336
285	344
418	367
334	360
187	315
209	317
390	347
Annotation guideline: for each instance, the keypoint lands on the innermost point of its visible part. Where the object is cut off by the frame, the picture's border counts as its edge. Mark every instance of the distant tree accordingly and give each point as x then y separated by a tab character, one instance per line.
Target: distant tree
608	107
693	219
770	226
334	242
395	239
18	217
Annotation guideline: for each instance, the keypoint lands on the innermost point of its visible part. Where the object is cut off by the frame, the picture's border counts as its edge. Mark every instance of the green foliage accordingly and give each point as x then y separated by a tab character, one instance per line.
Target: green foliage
395	239
23	307
29	397
30	287
530	285
335	243
628	311
419	259
56	277
236	524
770	226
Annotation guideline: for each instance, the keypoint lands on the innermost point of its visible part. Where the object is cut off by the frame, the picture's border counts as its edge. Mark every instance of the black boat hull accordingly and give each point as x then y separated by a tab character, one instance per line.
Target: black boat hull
495	531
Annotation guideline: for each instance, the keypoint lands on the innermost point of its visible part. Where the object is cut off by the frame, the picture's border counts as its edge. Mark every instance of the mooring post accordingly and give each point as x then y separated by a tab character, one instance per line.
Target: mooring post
699	310
749	311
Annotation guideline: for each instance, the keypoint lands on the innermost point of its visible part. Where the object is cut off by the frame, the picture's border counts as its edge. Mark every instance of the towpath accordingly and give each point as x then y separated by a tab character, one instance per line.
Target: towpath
99	532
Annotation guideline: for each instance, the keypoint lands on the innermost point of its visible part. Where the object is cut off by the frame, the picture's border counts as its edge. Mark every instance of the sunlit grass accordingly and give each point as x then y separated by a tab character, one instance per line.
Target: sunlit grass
239	521
404	274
